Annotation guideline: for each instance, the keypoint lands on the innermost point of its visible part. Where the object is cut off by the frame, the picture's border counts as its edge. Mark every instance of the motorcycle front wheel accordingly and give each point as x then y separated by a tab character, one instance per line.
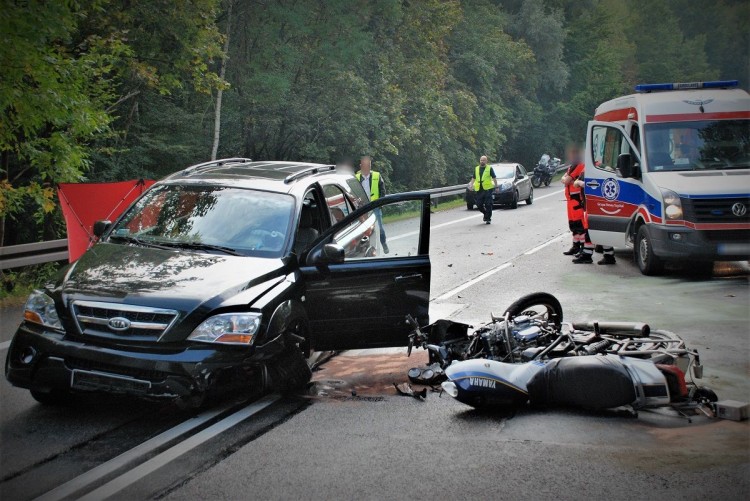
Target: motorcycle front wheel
538	305
536	182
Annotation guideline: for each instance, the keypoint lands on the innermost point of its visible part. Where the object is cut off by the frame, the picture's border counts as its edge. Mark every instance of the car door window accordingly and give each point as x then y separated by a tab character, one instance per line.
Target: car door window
359	196
336	202
392	231
311	224
519	174
607	144
522	169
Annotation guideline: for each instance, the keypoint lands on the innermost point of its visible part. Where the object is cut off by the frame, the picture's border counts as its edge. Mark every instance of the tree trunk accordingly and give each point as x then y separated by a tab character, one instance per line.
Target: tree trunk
220	92
5	162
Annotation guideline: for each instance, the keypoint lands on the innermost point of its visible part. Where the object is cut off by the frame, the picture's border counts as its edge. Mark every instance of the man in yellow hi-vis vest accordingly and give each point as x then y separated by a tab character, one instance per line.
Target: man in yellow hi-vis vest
372	183
484	181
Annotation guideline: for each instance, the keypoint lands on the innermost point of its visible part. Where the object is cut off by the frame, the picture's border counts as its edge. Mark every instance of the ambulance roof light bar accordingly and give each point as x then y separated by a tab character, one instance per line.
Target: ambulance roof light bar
717	84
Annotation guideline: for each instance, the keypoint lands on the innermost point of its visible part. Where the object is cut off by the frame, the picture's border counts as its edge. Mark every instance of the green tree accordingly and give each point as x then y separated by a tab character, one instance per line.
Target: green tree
74	74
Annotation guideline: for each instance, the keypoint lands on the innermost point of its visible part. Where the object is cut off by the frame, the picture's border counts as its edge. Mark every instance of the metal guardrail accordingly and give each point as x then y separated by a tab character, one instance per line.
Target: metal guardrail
437	193
15	256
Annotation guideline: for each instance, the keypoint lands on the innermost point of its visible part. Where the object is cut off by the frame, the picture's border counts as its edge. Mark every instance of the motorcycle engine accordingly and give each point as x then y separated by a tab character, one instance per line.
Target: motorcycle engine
524	333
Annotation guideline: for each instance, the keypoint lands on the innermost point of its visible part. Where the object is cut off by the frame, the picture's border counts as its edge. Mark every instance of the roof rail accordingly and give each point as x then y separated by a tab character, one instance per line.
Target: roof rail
217	163
308	172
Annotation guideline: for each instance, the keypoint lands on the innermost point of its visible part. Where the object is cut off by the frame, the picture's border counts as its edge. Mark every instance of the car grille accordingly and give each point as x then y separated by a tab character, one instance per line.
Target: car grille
122	321
729	236
715	210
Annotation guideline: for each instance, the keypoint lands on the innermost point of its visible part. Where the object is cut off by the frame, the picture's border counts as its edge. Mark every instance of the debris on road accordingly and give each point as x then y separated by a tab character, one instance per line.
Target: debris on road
406	390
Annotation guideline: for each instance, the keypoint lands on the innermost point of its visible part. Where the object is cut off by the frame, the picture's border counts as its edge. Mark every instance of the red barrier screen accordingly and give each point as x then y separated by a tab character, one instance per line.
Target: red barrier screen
85	203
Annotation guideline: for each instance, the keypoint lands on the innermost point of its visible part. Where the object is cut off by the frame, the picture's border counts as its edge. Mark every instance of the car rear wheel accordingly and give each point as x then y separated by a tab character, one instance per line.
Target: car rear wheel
530	200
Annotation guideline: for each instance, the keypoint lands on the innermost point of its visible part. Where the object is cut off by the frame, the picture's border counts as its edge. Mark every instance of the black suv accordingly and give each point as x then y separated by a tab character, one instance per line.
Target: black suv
225	275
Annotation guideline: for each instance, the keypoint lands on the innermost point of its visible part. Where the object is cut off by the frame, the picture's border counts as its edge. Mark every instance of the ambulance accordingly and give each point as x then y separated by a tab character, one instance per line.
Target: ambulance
668	174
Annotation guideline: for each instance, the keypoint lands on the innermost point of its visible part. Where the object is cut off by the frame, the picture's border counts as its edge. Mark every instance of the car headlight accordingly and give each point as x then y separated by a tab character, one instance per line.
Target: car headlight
505	186
40	309
228	328
672	205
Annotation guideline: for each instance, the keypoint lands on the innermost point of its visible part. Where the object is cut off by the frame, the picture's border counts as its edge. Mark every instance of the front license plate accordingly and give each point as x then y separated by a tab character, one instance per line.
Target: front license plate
102	381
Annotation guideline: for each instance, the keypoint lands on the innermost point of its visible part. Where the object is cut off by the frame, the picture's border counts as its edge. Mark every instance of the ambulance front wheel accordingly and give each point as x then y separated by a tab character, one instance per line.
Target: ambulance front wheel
648	262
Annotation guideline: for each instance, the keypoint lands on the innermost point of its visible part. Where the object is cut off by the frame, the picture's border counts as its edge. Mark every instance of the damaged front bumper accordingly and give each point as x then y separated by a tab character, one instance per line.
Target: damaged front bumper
42	360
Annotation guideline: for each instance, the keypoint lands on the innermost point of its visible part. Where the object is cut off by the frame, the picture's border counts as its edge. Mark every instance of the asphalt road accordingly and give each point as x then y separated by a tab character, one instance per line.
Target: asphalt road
333	445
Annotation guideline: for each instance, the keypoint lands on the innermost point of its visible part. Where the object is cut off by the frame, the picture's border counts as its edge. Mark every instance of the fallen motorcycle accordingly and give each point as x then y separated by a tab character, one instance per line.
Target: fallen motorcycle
530	341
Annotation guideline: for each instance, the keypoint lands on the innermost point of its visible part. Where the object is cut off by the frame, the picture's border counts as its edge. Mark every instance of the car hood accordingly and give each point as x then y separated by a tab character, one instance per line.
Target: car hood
181	280
726	183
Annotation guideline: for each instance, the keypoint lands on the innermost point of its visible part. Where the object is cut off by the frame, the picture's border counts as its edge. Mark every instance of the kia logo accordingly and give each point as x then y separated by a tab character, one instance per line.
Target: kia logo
739	209
119	324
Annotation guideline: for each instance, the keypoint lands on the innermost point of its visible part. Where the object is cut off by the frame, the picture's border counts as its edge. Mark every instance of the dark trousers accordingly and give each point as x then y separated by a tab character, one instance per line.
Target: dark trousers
484	202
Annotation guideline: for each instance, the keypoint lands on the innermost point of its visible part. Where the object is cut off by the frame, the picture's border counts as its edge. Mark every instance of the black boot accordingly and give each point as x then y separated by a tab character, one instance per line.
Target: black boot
583	258
574	249
607	259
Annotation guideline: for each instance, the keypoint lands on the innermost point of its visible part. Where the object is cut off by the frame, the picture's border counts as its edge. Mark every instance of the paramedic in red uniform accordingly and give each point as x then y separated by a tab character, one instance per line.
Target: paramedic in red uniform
585	256
573	197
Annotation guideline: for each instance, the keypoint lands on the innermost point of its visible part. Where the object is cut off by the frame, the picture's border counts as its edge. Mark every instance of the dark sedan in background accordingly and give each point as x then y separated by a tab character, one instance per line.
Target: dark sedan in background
514	185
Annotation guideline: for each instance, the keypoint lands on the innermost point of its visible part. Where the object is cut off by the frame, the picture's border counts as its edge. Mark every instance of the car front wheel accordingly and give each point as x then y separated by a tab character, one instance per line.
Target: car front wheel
52	397
514	203
648	262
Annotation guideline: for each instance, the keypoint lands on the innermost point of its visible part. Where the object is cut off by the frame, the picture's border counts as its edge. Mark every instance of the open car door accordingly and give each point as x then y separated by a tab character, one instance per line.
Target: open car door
367	272
613	183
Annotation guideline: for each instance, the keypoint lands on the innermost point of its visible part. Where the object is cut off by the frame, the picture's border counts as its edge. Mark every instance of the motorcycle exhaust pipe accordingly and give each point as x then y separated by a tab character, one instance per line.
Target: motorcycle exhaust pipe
627	329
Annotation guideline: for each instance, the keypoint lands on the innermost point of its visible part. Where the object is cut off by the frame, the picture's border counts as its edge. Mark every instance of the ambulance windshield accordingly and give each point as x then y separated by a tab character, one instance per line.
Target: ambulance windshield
703	145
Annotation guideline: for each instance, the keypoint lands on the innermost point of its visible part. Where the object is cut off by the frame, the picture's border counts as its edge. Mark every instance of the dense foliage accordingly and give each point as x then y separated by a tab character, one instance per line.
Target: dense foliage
115	89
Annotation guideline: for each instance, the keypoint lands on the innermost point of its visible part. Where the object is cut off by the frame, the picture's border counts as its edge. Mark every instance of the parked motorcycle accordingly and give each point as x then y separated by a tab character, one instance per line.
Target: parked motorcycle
531	335
544	171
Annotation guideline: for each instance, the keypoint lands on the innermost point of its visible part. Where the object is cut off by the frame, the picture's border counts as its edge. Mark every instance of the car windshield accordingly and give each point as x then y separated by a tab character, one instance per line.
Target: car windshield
708	144
209	218
504	171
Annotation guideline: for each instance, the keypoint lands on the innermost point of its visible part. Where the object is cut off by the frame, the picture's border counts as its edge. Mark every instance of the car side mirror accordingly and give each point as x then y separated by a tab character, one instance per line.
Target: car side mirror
625	164
334	253
329	254
101	227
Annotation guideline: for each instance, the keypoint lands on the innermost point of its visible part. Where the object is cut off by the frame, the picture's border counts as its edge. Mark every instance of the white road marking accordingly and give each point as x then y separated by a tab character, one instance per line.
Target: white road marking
491	272
4	345
441	225
95	474
545	244
473	281
433	228
126	479
548	195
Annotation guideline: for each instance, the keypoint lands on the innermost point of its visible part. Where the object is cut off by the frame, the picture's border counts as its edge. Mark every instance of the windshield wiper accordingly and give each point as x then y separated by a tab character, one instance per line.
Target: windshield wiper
203	246
137	241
